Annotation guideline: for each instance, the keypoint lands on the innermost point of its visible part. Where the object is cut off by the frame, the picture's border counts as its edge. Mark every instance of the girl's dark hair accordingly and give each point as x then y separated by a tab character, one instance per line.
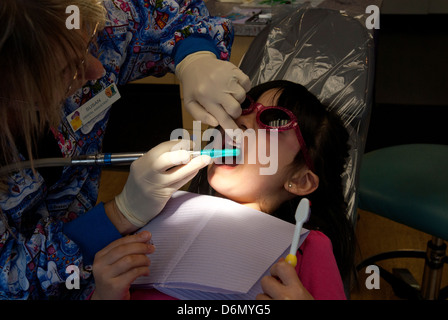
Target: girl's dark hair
327	142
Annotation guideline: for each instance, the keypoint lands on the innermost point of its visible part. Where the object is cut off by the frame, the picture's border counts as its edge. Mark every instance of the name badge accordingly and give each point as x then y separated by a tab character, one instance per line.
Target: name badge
92	108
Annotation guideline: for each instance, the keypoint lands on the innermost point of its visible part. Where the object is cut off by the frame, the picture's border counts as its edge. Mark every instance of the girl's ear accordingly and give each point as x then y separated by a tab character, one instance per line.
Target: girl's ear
302	182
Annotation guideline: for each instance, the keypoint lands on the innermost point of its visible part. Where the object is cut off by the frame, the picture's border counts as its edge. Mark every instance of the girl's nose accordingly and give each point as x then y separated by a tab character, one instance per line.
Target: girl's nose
247	121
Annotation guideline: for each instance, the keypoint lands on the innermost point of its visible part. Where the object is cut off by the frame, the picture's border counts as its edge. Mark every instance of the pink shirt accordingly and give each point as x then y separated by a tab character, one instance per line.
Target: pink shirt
316	268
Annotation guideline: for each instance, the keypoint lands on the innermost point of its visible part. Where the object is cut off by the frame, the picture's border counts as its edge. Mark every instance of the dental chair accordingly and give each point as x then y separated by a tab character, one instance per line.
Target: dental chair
332	55
409	184
405	178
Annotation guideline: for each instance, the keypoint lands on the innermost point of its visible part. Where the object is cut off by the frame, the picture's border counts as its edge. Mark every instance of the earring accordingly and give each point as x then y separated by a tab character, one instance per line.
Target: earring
290	185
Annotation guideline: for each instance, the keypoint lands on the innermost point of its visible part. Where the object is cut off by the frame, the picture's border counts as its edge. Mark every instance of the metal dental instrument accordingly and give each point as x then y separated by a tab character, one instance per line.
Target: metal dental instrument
103	159
107	159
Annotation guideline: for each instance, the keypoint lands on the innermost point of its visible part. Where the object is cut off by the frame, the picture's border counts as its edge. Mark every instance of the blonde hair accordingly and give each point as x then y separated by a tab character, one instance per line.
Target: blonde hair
37	51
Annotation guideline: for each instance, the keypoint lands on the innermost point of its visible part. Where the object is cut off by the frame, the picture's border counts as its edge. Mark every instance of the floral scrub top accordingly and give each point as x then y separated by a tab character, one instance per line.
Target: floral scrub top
50	225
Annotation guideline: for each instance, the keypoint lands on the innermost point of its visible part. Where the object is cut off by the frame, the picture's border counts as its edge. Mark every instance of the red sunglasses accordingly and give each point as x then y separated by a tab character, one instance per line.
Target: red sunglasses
277	118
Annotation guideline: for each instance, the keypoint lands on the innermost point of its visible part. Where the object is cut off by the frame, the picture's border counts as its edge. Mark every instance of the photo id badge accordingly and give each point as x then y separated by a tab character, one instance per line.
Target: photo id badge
92	108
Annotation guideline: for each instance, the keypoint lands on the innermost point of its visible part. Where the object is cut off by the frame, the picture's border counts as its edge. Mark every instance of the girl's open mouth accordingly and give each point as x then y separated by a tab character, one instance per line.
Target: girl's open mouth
228	161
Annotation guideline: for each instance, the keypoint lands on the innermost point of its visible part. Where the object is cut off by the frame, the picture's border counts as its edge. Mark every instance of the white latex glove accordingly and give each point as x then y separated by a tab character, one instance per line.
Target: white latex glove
213	89
154	177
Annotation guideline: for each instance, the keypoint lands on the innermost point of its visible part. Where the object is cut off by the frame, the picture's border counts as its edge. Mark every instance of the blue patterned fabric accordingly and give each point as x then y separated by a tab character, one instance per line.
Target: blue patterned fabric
141	38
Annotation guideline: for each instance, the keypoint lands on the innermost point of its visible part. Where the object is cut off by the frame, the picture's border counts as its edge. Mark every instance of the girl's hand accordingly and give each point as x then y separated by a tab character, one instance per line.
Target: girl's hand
116	266
283	284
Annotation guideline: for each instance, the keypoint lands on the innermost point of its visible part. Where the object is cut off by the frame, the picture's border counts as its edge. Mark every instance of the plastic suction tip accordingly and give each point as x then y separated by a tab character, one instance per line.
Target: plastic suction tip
221	153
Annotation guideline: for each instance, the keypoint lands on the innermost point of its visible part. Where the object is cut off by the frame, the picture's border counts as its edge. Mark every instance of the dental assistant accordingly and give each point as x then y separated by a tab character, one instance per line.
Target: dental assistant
51	80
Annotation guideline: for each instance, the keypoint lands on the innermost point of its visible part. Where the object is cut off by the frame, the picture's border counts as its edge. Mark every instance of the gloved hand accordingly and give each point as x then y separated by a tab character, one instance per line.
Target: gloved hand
212	89
154	177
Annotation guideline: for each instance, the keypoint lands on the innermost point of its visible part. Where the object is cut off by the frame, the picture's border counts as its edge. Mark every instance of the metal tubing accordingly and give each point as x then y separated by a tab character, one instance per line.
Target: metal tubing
432	275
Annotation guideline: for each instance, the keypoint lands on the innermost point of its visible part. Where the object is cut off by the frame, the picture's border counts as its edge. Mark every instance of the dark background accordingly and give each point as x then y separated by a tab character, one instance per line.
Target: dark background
411	81
145	116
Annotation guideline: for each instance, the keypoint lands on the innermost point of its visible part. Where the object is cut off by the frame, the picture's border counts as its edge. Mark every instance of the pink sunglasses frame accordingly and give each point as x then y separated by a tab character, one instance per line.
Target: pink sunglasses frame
293	124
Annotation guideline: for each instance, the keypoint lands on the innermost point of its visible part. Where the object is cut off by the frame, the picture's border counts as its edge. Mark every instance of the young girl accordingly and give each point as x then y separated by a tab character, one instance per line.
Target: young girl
312	147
